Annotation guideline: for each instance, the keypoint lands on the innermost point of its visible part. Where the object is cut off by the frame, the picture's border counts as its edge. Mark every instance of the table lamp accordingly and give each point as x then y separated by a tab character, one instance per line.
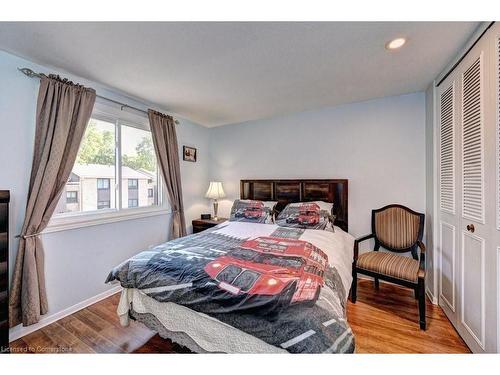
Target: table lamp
215	191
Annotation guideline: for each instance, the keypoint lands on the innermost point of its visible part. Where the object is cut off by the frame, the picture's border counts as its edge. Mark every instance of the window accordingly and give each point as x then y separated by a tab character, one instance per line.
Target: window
71	197
93	173
138	167
103	193
103	184
115	169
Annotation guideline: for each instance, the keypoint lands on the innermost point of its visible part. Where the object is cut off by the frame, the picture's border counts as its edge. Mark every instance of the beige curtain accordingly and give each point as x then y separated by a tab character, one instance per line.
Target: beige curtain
63	111
167	153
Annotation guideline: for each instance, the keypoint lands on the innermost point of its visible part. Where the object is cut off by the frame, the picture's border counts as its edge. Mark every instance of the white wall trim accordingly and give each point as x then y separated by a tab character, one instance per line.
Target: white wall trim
435	222
82	220
20	331
431	296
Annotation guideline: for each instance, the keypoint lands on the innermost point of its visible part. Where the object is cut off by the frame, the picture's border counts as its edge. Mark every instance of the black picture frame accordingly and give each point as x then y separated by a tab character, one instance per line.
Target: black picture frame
189	154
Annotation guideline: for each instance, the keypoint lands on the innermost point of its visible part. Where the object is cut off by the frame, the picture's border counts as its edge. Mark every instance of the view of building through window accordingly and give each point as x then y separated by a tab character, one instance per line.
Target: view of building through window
139	173
92	183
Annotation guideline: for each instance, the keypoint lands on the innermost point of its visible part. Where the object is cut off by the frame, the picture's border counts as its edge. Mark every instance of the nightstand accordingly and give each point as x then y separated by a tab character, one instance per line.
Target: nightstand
199	225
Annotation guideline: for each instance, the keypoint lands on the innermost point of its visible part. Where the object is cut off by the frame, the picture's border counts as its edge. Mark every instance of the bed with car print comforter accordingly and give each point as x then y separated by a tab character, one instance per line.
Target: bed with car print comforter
244	287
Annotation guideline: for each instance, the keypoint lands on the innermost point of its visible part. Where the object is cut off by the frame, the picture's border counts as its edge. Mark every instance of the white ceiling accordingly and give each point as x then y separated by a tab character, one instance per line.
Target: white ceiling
223	73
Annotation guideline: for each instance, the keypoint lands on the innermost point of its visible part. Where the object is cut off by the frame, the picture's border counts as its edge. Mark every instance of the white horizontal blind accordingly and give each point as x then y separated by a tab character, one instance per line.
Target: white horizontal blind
447	150
472	138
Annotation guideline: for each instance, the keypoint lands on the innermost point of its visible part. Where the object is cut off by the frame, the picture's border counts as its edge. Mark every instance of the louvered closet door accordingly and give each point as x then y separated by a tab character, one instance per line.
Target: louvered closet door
449	200
467	189
473	230
493	261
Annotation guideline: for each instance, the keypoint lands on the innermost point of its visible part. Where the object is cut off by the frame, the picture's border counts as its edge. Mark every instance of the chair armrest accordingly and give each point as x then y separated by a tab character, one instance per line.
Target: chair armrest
357	241
421	267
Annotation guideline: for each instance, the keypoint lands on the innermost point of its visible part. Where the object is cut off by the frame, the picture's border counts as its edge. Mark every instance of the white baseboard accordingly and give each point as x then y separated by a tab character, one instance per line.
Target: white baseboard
431	296
20	331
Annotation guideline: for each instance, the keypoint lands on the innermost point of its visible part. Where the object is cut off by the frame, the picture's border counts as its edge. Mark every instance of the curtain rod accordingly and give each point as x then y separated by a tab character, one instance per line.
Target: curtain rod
465	54
30	73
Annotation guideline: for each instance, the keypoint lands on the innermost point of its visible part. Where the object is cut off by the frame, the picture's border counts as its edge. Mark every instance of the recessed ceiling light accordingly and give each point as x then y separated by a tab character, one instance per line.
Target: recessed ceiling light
395	43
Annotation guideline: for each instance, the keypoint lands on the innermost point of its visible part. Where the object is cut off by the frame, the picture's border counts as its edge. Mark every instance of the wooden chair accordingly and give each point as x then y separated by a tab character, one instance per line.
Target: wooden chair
399	230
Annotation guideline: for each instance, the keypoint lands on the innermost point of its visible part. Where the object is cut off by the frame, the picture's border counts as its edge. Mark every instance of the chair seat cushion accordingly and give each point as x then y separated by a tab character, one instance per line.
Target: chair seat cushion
397	266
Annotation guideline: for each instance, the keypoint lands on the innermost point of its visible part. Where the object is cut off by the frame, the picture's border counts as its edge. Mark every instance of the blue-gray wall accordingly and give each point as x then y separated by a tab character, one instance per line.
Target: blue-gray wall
379	145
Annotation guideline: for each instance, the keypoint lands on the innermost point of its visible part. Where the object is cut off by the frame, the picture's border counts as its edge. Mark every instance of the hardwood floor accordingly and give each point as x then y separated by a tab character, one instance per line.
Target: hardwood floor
386	321
383	321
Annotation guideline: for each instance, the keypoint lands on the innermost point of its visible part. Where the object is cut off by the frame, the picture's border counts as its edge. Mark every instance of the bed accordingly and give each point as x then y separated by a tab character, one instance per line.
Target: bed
187	291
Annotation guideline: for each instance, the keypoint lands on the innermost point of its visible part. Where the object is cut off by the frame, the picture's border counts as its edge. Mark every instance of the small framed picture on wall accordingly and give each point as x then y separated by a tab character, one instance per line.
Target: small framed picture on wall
189	153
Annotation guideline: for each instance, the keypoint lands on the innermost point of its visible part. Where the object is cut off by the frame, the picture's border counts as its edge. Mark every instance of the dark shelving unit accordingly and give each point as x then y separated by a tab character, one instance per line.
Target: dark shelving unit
4	270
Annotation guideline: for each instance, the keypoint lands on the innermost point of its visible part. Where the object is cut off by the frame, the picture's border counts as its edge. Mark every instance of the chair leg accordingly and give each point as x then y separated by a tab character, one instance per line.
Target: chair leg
377	284
354	286
421	303
417	293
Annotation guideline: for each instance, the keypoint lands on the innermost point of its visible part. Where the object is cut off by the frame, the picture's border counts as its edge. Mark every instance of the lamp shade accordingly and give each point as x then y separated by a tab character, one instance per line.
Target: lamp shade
215	190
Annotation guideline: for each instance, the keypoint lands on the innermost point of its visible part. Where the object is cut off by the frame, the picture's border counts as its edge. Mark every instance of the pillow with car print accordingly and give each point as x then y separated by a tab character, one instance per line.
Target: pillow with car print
307	215
252	211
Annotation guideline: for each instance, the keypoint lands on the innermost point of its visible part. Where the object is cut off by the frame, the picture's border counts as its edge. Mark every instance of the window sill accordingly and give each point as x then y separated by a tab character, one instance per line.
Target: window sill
82	220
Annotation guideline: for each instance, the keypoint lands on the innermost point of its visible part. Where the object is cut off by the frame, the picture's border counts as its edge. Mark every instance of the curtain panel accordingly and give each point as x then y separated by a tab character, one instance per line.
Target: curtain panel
63	111
167	153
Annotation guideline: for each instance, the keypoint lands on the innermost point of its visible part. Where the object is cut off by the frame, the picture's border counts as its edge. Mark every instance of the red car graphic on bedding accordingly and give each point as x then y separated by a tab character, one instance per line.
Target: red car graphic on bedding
253	210
308	214
293	270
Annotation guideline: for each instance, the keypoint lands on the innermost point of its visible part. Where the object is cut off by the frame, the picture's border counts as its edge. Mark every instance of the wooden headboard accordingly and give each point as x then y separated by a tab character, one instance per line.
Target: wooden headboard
291	191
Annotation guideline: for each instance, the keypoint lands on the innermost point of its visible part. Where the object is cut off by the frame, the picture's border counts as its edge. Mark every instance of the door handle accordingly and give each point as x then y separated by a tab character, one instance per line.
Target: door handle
471	228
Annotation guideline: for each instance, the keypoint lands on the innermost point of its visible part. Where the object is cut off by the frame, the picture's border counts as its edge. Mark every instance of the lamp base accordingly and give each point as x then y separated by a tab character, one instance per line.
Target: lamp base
216	207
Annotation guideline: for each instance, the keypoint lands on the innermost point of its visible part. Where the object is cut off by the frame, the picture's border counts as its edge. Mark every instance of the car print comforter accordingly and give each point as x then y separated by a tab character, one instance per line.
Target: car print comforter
285	286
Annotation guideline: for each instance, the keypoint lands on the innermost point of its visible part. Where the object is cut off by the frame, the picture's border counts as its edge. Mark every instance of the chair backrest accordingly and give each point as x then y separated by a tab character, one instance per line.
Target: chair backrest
397	228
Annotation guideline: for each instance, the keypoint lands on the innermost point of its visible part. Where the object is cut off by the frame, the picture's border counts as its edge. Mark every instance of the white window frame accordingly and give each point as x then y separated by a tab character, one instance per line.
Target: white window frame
73	220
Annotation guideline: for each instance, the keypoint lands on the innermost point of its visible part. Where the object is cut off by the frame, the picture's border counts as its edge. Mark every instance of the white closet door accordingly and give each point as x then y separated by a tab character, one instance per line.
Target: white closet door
473	141
494	266
449	220
447	150
473	230
468	185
